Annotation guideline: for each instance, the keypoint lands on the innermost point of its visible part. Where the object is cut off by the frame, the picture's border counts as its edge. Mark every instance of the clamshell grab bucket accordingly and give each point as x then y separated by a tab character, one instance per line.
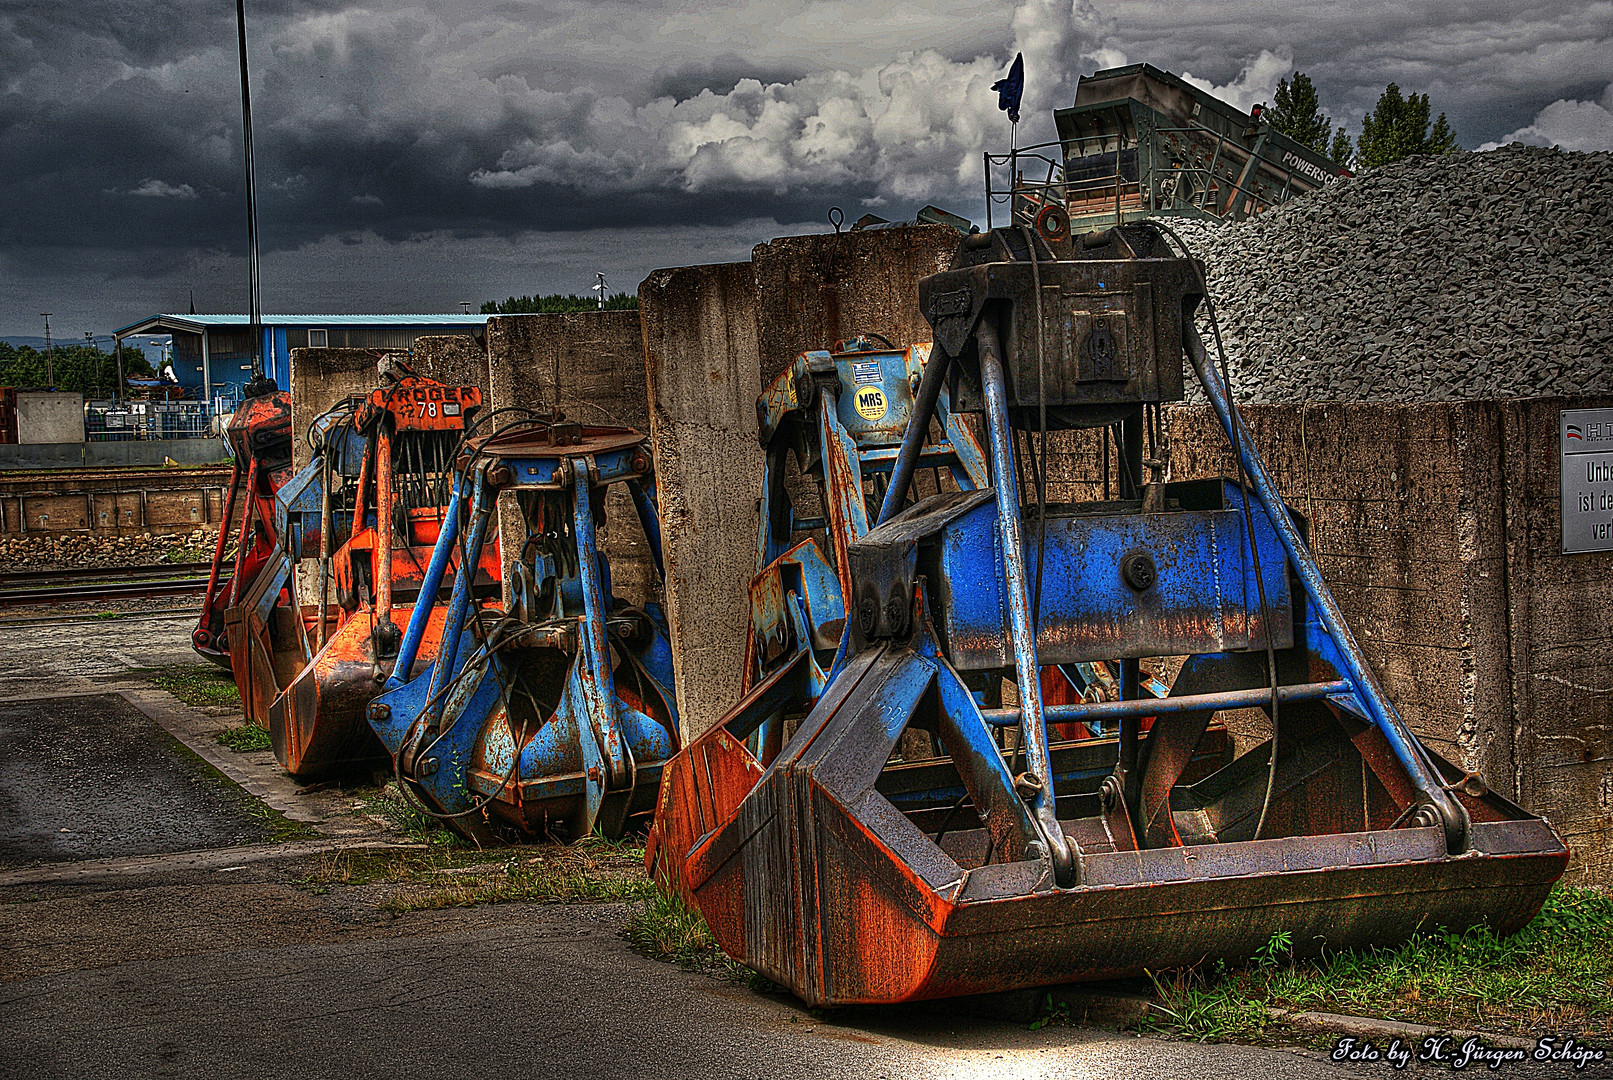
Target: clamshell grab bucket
555	715
1015	858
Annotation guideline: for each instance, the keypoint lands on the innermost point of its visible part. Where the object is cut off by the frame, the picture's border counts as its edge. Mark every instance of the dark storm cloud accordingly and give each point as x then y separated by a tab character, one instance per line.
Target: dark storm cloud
416	132
398	122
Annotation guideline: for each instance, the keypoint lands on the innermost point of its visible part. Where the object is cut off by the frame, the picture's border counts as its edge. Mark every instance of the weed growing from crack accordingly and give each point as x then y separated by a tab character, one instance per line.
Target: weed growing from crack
666	928
401	815
521	884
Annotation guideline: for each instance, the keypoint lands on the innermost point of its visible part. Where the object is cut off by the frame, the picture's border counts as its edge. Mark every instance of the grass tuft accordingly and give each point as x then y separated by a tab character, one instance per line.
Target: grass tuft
1554	975
401	815
245	738
668	929
435	875
195	684
521	884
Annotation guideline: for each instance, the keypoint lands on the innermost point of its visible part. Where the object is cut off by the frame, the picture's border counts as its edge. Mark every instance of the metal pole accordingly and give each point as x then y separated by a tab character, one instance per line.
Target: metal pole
117	350
247	513
1037	789
218	546
254	307
917	430
383	524
207	371
441	552
483	498
325	524
50	354
597	685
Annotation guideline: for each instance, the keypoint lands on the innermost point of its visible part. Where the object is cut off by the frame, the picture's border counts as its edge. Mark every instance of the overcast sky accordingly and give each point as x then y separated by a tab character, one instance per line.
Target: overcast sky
413	156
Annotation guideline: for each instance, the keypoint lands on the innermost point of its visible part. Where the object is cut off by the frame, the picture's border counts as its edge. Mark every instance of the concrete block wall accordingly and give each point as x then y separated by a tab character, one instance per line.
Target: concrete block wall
598	359
129	454
1437	526
456	359
815	290
319	379
1559	633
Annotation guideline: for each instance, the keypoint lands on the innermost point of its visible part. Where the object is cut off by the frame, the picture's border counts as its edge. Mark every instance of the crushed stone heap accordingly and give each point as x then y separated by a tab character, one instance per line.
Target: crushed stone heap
1480	275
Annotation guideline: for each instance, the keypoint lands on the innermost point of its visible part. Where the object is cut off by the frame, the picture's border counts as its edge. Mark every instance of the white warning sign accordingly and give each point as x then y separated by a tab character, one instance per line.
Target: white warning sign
1586	438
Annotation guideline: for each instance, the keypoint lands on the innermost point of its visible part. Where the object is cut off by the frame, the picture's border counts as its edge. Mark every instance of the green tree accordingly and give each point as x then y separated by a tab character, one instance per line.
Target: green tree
558	303
1397	127
1341	152
82	368
1297	112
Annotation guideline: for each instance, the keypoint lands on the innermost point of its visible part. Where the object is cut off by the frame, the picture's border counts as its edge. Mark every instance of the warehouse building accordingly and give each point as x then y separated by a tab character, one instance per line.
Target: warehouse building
215	350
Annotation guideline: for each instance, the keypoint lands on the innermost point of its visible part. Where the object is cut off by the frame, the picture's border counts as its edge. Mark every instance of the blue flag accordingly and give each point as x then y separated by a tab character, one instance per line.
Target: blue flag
1011	89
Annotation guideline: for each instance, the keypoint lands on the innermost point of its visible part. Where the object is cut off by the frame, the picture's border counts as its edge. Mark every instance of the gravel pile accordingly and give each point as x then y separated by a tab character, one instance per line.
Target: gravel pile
1437	278
55	551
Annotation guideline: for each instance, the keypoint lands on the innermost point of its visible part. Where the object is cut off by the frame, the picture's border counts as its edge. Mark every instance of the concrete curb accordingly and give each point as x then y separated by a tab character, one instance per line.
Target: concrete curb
1104	1008
258	774
1366	1027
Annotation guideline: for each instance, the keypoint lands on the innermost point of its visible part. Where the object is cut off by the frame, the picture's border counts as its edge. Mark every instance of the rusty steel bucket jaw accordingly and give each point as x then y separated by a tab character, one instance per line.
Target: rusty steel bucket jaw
557	712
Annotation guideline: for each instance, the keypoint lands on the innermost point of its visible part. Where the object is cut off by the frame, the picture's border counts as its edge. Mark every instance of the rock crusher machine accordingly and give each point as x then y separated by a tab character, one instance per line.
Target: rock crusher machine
259	438
318	633
831	424
555	715
1012	869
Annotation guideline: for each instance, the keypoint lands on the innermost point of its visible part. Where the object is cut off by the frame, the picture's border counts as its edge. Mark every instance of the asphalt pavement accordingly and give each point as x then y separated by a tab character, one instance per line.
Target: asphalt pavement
531	992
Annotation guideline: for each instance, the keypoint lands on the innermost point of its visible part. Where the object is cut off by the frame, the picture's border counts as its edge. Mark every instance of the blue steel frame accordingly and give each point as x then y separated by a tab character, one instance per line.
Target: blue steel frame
1323	635
595	758
814	409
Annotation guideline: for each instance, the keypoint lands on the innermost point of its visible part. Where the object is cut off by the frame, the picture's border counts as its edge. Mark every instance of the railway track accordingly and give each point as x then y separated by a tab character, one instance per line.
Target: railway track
77	584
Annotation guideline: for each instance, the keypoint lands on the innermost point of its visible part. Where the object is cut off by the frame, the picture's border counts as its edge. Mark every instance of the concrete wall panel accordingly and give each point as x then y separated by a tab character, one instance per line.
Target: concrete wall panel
1560	624
319	379
704	376
132	453
1438	528
814	290
455	359
49	416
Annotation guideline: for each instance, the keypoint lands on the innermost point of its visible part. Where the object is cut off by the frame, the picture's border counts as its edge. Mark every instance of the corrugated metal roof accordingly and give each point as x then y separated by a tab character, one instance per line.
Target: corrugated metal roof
198	322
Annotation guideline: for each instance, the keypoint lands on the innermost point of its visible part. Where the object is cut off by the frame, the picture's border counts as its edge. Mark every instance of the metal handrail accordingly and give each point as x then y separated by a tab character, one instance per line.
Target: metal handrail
1229	191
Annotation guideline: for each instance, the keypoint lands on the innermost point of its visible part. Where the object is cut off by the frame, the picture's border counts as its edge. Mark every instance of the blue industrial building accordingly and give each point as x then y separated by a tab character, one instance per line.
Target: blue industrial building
214	350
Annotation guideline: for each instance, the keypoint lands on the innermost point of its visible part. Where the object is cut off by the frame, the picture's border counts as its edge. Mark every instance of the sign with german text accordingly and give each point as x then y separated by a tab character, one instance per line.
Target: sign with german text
1586	437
